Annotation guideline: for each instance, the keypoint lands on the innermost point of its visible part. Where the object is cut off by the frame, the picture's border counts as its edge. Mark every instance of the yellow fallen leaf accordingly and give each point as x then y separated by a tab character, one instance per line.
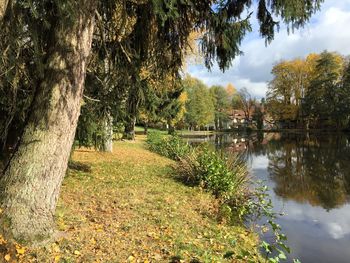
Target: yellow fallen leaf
7	257
57	258
76	252
20	250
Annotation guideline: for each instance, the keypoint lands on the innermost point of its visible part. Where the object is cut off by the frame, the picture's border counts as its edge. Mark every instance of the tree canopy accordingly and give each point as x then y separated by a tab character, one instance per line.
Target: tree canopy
310	91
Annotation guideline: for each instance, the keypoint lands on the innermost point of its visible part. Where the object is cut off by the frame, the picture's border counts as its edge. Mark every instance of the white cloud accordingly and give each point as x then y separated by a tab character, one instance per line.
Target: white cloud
327	31
335	224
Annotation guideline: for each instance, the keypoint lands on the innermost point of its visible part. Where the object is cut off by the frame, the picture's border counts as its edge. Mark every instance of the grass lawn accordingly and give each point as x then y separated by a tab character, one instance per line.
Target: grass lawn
129	207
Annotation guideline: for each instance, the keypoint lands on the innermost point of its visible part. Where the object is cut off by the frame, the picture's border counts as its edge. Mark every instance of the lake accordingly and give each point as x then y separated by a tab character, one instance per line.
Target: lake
308	176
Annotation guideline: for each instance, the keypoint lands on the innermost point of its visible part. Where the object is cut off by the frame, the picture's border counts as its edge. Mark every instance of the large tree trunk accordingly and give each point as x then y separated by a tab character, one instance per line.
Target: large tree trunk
31	181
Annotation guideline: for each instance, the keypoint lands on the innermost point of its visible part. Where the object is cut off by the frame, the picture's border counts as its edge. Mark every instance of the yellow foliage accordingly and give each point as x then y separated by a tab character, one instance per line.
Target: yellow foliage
230	89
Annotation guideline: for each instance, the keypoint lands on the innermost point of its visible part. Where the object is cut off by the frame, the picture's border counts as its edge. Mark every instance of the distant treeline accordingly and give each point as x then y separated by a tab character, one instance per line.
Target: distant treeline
311	93
199	107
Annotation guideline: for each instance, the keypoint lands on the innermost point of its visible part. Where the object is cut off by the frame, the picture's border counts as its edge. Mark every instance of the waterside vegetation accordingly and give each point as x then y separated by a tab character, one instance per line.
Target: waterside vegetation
240	201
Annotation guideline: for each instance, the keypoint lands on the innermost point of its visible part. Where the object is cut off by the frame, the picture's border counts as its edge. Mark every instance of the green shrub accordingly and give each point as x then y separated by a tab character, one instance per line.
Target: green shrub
224	177
213	171
172	147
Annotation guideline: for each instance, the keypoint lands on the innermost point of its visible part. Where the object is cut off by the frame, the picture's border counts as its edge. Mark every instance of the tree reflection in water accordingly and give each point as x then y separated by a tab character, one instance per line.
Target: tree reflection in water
312	168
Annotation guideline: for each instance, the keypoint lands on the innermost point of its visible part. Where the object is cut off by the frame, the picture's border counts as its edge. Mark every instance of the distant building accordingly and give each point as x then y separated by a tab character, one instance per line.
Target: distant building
236	119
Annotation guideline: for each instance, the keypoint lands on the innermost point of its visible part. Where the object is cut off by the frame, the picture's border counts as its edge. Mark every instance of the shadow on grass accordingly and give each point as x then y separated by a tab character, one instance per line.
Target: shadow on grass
179	177
79	167
178	259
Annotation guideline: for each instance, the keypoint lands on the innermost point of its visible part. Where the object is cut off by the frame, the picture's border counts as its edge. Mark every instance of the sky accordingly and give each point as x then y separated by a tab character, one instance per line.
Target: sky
329	29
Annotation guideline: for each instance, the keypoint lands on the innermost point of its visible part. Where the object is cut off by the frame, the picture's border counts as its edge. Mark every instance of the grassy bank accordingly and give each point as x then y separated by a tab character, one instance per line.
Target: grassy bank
127	206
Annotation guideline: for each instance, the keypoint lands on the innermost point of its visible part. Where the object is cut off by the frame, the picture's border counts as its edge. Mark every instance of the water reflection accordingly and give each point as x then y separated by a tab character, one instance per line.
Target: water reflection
312	169
309	180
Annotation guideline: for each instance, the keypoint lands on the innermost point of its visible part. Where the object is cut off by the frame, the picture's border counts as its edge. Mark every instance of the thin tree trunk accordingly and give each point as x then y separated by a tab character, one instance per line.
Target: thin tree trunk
132	108
107	141
30	184
145	127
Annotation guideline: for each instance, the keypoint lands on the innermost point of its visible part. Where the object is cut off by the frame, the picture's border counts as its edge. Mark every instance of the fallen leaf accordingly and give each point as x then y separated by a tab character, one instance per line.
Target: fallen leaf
7	257
20	250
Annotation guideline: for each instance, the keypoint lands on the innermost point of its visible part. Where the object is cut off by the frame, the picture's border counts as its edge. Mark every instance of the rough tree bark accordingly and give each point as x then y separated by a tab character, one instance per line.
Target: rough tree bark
31	181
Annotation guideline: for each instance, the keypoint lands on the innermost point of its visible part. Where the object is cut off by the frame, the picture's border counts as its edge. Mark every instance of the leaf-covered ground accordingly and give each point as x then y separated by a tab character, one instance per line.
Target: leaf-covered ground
127	206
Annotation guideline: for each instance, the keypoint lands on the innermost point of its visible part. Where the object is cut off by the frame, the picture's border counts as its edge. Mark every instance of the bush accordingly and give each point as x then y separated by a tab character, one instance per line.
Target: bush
172	147
224	177
211	170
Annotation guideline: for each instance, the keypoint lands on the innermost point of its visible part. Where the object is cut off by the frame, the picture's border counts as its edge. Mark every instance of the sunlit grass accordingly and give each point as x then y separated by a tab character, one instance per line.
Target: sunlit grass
130	208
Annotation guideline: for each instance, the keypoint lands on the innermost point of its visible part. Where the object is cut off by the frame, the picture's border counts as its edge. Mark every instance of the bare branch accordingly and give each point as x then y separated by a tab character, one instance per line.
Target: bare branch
92	99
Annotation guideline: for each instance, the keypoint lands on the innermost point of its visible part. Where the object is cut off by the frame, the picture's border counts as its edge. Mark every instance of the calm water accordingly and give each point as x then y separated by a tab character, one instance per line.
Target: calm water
309	180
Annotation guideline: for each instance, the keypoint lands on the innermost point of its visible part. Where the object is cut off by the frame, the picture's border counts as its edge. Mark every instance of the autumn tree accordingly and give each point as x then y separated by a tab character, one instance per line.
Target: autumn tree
231	91
323	98
310	90
286	91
